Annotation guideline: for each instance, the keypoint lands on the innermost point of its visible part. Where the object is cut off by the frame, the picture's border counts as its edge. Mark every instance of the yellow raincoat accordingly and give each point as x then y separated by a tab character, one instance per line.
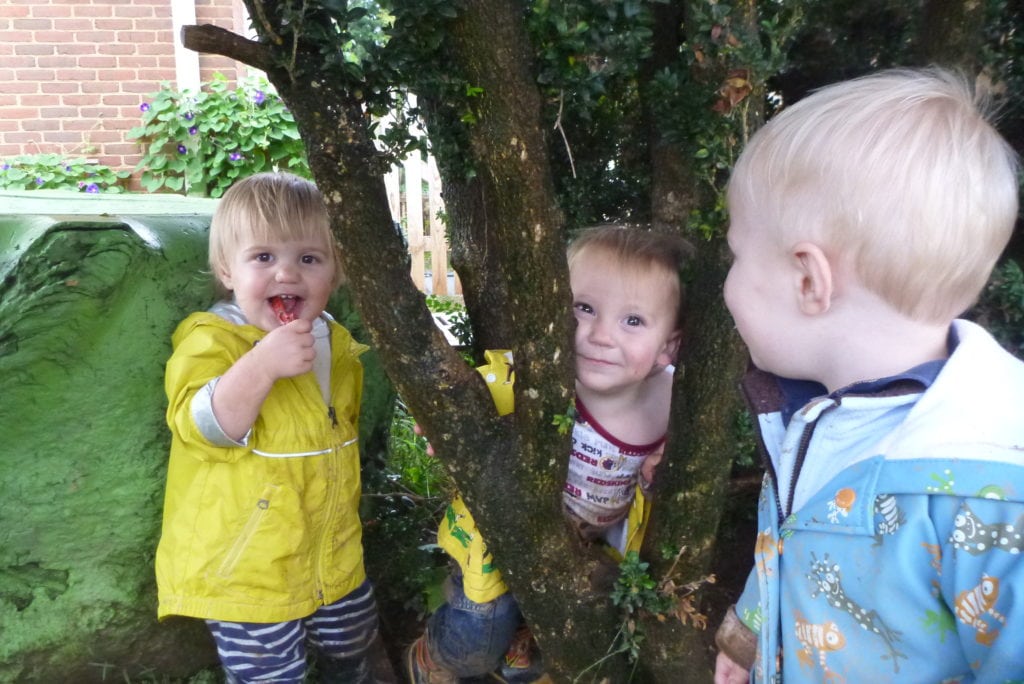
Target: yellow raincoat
270	531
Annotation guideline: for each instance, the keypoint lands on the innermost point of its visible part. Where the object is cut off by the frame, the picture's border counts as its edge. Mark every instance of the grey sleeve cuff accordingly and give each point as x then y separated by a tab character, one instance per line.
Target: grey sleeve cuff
206	421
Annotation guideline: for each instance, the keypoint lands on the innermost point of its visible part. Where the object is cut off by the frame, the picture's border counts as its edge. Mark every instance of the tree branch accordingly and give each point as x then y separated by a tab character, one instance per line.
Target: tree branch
218	41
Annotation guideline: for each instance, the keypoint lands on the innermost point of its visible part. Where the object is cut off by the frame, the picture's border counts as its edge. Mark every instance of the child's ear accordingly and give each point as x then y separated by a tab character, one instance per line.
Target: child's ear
815	286
224	276
670	351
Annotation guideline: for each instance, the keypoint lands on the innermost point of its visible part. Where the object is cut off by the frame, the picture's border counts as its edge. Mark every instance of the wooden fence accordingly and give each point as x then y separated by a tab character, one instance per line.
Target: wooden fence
419	214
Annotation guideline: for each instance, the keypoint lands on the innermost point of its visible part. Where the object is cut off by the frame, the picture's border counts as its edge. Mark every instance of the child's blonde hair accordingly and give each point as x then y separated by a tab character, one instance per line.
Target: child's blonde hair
901	173
268	207
640	249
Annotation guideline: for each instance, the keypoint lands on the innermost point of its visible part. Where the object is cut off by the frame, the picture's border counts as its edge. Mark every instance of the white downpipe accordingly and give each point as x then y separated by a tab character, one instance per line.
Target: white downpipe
186	62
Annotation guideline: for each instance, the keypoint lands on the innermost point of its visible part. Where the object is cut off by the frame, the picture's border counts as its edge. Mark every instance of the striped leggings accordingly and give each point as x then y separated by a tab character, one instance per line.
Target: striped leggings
276	652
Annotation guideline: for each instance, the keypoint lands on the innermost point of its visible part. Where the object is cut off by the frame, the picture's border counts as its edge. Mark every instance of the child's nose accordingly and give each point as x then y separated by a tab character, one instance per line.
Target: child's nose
599	332
286	273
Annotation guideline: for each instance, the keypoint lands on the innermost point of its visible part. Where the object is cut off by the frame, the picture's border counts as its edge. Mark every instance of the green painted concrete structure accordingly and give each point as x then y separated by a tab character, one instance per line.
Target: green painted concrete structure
91	287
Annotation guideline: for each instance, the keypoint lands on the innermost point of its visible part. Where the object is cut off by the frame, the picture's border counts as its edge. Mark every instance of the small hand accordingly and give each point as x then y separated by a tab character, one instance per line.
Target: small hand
419	431
649	464
728	672
288	350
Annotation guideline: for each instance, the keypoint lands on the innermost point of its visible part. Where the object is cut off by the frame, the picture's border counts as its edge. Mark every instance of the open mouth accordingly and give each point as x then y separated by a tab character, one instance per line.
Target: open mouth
285	307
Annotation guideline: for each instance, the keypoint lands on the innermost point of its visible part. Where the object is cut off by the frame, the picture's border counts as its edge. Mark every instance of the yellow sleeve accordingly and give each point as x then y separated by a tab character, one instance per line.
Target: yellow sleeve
458	534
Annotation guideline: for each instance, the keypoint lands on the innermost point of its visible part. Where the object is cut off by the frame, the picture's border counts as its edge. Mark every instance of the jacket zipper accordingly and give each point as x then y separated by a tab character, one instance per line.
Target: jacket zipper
801	455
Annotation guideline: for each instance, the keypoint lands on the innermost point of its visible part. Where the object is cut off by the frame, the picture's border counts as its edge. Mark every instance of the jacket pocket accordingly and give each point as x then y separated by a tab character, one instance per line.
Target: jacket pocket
237	550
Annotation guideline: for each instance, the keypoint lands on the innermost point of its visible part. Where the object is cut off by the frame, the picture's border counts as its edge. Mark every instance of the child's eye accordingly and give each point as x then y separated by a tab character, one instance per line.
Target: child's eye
309	259
634	321
583	307
264	257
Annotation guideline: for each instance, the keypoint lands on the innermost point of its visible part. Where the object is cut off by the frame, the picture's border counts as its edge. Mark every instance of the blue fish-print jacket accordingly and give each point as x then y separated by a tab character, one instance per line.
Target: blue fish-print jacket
891	528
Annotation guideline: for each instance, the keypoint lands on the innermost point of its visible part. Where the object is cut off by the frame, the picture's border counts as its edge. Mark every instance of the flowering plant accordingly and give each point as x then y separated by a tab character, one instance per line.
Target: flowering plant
55	172
199	143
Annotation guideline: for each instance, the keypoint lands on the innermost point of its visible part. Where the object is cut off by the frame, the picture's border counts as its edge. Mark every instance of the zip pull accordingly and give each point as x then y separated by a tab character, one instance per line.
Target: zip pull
332	415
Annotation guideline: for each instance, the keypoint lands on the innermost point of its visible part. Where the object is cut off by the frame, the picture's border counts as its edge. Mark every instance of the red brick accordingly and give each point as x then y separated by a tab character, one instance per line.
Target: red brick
137	9
155	75
137	37
115	49
61	112
37	75
97	10
22	137
13	10
22	87
154	49
64	136
107	137
136	62
33	49
101	87
155	24
31	24
121	100
97	112
60	87
71	25
37	100
57	62
20	62
97	62
75	49
121	148
40	125
120	75
18	114
98	37
79	100
49	11
141	87
114	24
132	113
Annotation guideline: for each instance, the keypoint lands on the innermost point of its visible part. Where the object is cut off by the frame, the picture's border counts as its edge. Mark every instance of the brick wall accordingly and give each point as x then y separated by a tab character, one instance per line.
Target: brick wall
74	72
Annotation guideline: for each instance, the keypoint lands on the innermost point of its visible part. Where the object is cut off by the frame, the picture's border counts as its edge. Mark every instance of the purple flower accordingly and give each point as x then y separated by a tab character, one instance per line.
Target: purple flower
193	130
144	107
5	166
182	149
258	97
67	167
39	180
92	188
235	156
189	116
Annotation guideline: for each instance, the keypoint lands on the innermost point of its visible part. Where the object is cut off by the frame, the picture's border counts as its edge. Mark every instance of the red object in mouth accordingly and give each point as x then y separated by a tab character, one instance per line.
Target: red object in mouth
281	310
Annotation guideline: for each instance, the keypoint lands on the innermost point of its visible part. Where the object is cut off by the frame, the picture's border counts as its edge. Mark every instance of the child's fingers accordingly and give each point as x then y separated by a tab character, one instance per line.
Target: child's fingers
419	431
